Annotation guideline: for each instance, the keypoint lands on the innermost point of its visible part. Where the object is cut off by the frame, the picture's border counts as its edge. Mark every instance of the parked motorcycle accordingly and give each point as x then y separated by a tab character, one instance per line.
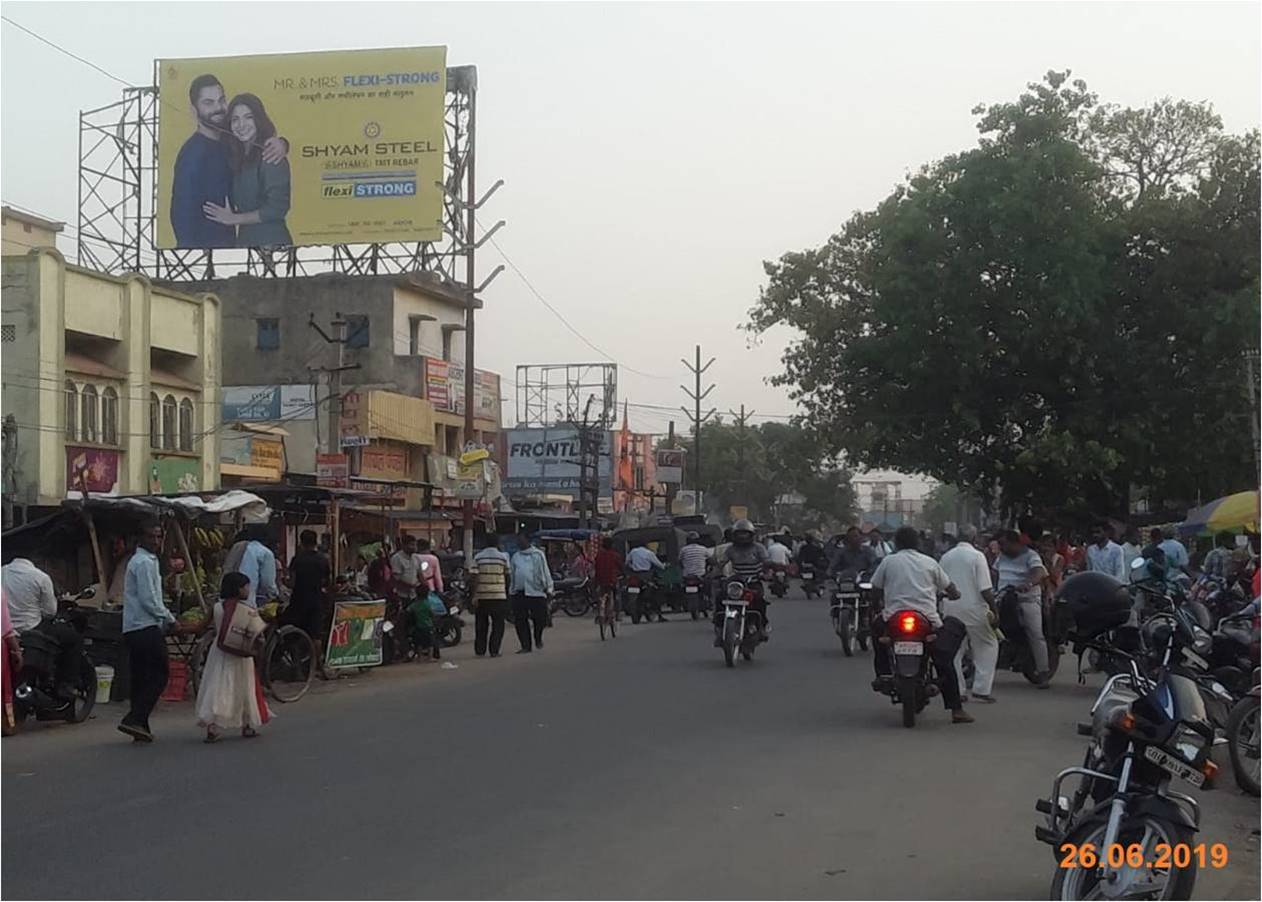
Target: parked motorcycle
741	628
574	595
812	587
35	685
849	611
1015	653
912	680
449	627
1243	740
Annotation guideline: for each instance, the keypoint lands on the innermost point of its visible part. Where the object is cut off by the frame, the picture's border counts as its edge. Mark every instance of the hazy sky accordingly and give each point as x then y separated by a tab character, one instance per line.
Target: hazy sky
655	154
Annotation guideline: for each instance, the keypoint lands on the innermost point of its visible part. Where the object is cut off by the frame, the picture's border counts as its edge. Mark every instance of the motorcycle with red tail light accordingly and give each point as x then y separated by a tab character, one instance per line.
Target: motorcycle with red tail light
912	681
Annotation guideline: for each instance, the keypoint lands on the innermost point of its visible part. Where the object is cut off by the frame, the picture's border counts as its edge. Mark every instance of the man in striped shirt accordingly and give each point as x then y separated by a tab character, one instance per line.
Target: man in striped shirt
490	596
746	560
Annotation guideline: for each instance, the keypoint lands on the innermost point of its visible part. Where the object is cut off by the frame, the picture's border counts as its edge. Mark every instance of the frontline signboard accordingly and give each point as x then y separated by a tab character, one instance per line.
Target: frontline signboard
293	149
546	461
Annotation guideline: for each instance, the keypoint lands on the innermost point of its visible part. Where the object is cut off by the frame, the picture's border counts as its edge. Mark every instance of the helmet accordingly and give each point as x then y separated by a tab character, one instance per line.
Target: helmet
692	537
1096	601
743	525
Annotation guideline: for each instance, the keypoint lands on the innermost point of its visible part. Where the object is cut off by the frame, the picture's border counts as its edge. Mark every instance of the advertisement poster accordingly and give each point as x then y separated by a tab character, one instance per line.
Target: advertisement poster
261	403
293	149
333	470
267	453
380	461
444	388
168	475
355	635
547	460
98	466
670	465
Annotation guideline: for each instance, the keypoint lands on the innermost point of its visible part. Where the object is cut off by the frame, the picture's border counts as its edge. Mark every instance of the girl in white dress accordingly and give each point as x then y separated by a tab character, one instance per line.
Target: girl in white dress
230	695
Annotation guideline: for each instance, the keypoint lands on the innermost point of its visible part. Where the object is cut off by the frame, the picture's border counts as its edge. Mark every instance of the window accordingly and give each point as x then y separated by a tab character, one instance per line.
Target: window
357	331
414	335
446	344
89	408
72	410
9	333
155	422
109	417
186	425
268	334
168	422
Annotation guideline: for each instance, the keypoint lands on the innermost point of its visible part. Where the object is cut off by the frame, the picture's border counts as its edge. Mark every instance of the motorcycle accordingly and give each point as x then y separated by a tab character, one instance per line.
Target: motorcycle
1243	740
35	685
779	581
640	599
1015	653
912	681
811	587
849	611
1120	833
449	627
574	595
697	595
741	627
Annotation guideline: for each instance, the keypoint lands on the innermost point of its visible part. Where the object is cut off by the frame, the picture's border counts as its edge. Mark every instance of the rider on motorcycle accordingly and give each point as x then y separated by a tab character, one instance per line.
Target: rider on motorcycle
32	603
853	556
748	560
811	554
1019	567
909	580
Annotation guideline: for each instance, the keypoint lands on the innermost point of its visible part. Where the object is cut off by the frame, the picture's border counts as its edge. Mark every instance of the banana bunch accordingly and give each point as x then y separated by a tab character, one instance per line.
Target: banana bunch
207	539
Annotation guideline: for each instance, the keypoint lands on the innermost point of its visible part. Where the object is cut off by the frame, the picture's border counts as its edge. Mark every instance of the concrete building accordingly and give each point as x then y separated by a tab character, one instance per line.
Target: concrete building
25	232
108	380
404	339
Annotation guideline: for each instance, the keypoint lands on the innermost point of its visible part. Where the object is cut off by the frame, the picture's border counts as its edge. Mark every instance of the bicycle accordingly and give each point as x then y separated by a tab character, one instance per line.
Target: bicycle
607	611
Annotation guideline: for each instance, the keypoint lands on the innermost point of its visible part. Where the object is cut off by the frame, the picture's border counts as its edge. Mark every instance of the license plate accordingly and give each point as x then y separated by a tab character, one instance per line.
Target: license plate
691	590
1173	765
736	602
909	648
808	576
846	587
633	590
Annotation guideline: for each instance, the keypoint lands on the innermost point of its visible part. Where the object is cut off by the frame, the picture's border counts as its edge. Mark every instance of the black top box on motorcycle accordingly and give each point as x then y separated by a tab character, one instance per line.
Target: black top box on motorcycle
1096	601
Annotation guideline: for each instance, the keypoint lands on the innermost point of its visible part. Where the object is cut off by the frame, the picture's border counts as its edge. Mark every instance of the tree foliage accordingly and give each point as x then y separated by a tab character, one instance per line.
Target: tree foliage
1058	313
754	467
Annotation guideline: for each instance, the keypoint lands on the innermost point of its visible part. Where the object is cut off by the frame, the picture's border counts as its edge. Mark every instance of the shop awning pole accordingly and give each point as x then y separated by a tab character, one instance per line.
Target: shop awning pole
188	561
102	577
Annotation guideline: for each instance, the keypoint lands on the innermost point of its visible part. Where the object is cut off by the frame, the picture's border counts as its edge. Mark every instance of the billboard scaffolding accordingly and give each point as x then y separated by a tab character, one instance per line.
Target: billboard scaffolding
553	393
118	204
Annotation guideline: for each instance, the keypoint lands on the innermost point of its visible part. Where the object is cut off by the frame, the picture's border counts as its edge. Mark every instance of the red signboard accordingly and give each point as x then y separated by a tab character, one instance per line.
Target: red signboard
333	470
98	465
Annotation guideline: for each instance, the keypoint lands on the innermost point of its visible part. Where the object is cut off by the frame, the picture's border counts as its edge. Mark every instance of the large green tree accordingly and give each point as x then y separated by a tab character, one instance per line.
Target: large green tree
1057	313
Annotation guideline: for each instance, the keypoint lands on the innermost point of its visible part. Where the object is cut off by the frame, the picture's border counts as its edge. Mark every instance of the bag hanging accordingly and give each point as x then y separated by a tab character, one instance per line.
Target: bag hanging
240	629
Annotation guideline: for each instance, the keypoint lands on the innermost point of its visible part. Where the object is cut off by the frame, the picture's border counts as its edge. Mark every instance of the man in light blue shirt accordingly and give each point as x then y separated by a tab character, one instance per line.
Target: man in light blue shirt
1176	554
145	620
1104	555
531	585
259	566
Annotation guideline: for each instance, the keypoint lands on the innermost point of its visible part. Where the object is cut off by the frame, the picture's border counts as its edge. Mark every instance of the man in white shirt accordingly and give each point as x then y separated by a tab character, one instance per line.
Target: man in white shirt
777	553
29	593
967	569
909	580
405	565
1104	555
1020	568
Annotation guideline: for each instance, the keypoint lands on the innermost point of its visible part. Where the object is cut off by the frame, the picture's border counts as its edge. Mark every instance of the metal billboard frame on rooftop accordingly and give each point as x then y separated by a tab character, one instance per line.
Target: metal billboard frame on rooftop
117	225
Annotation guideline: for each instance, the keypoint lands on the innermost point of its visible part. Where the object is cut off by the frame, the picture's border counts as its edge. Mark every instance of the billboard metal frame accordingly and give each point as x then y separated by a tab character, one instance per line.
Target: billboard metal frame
118	190
551	394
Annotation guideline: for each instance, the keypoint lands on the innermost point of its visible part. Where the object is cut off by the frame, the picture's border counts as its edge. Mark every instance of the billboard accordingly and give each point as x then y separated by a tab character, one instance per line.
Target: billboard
670	465
263	403
337	147
444	388
547	460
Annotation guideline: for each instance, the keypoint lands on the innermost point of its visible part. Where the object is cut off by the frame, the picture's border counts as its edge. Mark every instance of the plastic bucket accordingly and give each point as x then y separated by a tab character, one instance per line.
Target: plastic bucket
104	682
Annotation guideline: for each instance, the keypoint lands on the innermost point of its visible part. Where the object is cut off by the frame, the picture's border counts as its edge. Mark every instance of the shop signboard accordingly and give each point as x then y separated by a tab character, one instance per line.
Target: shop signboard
175	474
356	633
670	465
267	453
546	460
267	403
333	470
383	461
99	466
362	133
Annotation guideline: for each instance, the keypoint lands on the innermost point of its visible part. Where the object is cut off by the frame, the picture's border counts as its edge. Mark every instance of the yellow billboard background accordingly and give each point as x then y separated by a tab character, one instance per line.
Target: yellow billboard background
365	139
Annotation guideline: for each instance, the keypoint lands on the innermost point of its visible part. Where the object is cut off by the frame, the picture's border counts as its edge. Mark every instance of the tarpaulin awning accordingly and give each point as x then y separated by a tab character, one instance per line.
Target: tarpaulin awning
254	507
1231	513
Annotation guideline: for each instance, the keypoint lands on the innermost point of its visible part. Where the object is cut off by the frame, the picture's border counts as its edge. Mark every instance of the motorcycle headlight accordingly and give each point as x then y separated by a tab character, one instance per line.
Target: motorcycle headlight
865	586
735	590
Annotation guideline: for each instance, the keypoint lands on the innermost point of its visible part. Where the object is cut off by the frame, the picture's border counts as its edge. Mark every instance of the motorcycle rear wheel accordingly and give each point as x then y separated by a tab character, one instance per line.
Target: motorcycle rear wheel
80	708
577	605
907	694
843	631
633	608
1053	661
1242	741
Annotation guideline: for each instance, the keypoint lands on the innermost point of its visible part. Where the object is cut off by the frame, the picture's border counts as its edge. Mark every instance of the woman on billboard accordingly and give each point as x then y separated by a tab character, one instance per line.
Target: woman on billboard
260	191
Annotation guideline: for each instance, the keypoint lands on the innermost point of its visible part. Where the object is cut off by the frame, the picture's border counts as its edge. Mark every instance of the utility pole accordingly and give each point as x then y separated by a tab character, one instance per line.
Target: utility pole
740	451
670	486
335	376
1251	378
590	434
697	419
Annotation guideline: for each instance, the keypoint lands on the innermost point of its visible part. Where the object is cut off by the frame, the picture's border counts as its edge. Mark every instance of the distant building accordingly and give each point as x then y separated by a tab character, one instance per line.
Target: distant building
24	232
109	381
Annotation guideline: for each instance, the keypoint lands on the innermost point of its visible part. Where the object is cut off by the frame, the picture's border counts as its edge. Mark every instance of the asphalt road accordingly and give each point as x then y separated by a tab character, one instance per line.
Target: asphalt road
636	768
